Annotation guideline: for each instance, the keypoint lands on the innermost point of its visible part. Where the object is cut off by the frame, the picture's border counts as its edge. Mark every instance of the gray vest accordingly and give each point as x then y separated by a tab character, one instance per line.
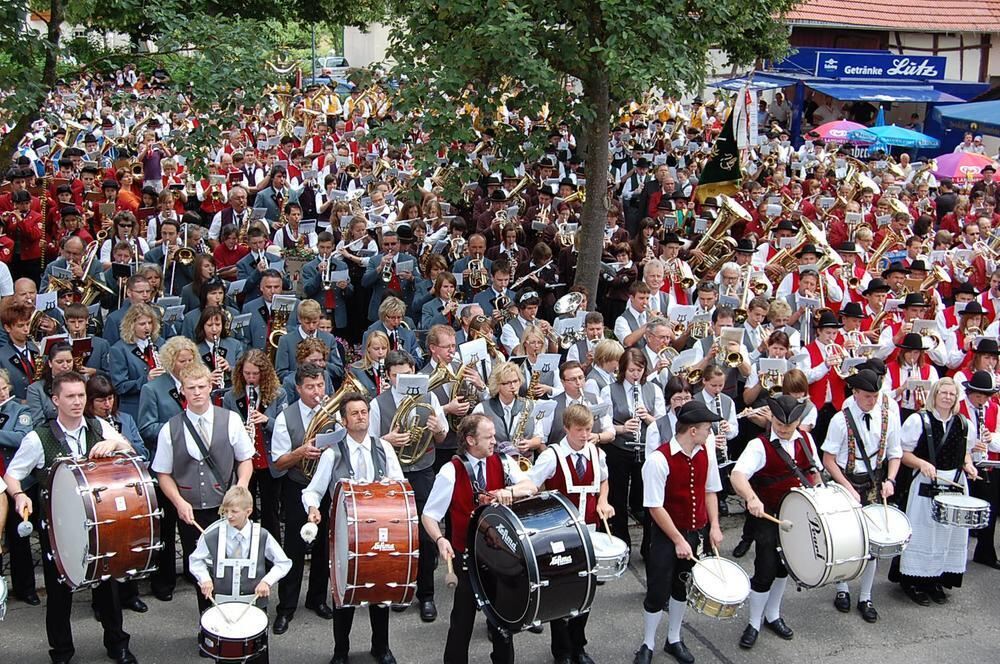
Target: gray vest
599	378
250	575
387	410
664	429
493	410
296	434
726	401
518	327
633	322
622	414
557	431
195	480
342	468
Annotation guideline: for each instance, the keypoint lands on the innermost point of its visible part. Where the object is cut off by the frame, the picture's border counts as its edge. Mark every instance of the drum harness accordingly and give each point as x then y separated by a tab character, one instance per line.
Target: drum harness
855	442
932	490
788	461
581	490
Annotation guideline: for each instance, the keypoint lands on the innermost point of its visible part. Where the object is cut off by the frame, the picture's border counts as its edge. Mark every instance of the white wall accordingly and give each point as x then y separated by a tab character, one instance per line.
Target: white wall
363	48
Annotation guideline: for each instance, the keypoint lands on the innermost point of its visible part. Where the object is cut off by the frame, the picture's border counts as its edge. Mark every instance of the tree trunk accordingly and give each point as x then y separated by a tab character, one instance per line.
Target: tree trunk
25	119
595	133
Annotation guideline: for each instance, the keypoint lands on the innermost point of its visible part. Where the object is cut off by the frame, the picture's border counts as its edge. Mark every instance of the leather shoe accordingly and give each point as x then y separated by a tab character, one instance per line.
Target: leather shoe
163	595
995	564
322	610
125	657
281	623
742	548
680	652
582	658
338	659
937	594
643	655
385	657
536	629
135	604
749	637
563	660
917	595
868	611
30	599
842	602
723	508
428	611
780	628
399	608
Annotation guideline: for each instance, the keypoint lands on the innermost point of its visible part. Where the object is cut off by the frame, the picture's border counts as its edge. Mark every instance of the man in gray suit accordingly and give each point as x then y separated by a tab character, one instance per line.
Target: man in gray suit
137	291
253	266
274	197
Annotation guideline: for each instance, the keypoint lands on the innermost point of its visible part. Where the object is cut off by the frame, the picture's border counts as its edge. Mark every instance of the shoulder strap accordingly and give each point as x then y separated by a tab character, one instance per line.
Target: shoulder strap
202	448
858	441
783	455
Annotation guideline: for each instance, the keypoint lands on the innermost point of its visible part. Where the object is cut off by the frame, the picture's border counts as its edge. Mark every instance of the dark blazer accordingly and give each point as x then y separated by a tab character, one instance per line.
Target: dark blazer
40	402
312	286
10	360
485	299
246	268
265	198
129	372
159	400
43	286
181	273
113	323
15	424
254	335
373	279
191	321
407	341
285	363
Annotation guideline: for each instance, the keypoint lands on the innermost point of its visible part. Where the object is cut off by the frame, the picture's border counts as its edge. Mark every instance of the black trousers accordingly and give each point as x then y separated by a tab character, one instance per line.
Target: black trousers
343	620
164	578
422	481
295	548
665	572
569	636
22	564
462	622
987	489
189	540
767	565
58	609
823	417
624	491
266	491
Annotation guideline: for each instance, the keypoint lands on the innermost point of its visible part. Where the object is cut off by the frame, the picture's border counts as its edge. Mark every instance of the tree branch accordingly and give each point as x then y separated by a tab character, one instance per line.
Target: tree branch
133	56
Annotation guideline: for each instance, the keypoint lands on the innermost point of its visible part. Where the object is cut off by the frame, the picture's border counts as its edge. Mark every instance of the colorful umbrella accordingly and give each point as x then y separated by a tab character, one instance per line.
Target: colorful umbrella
960	166
891	135
880	118
839	131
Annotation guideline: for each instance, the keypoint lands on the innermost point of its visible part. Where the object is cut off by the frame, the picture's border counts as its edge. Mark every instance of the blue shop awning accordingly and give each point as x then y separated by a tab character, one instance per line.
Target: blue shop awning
982	117
756	82
910	93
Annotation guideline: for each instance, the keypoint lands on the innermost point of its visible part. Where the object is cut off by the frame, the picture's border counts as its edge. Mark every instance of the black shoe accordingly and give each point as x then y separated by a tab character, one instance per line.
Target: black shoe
135	604
163	595
937	594
281	623
428	611
643	655
917	595
780	628
338	659
582	658
97	613
842	602
536	629
399	608
124	657
742	548
31	598
322	610
723	508
749	637
385	657
995	564
680	652
868	611
562	660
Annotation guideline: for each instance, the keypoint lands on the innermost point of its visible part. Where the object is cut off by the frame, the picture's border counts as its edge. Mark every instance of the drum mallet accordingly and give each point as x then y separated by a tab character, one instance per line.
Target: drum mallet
607	528
451	579
784	525
954	484
246	608
25	528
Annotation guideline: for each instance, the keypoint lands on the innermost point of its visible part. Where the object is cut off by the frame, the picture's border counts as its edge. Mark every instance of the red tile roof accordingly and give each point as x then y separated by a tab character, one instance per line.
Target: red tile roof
918	15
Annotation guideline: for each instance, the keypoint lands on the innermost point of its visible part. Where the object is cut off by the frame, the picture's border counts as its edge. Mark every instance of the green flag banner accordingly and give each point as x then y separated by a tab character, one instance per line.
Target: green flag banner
722	173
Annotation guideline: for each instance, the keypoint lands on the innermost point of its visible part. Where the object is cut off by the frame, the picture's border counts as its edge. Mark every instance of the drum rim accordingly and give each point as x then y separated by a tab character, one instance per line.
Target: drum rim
72	465
729	563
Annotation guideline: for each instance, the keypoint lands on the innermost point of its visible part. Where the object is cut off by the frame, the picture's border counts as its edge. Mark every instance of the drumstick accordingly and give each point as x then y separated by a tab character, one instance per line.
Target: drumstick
885	513
785	525
252	601
705	565
450	579
946	481
607	528
216	605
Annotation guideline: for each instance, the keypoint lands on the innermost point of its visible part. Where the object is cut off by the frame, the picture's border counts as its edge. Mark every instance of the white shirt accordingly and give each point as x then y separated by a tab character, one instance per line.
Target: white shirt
656	470
281	442
754	457
509	338
710	402
6	282
444	484
544	467
236	435
913	428
320	483
622	326
30	455
836	437
201	557
375	416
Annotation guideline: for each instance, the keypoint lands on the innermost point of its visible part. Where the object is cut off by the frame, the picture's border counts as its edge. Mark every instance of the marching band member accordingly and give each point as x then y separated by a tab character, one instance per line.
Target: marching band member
765	472
58	361
607	353
981	411
308	314
138	290
15	424
318	284
19	355
507	411
583	350
630	325
675	271
391	312
217	348
475	475
872	433
135	359
985	357
572	377
911	364
961	339
527	316
826	387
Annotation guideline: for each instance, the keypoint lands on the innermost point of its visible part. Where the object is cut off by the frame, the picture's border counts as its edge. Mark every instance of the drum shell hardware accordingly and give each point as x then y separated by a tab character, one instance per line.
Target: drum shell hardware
959	510
240	640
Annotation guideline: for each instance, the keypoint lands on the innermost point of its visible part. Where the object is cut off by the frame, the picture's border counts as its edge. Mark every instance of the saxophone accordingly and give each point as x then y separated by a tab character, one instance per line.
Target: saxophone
523	462
536	377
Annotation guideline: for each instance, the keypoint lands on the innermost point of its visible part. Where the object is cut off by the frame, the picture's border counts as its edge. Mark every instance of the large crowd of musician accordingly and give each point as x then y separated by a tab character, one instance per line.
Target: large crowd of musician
240	354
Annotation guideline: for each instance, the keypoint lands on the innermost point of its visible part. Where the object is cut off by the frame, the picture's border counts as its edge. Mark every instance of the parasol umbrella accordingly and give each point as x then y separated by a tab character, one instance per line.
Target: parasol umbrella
960	166
893	136
839	131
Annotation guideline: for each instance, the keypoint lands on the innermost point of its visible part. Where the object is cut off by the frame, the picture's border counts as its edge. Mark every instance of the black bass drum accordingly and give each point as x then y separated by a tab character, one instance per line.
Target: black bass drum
531	562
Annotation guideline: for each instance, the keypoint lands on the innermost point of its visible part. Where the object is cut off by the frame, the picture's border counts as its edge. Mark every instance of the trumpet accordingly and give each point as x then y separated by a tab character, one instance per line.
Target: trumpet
478	276
387	272
770	380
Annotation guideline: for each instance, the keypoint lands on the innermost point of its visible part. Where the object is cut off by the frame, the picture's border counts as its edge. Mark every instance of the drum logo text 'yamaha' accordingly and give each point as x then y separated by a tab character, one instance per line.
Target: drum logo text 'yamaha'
815	530
506	537
559	561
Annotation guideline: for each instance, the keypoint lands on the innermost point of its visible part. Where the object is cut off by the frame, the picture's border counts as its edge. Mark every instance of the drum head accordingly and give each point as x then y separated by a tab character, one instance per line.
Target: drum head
214	621
501	567
721	580
339	554
607	546
898	524
804	547
961	500
67	525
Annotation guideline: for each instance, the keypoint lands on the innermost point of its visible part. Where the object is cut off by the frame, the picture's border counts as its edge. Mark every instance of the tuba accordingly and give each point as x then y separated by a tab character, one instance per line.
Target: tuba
324	419
717	244
411	417
479	278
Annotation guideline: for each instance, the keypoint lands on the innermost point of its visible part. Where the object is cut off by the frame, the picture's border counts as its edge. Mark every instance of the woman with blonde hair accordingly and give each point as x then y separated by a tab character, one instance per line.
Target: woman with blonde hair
607	352
135	358
533	344
506	410
369	370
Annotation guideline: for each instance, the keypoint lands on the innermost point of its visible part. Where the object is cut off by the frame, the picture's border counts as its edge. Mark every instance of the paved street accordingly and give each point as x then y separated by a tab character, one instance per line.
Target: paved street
905	633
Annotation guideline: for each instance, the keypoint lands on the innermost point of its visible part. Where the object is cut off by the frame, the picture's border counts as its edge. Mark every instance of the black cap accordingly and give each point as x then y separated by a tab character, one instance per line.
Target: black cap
672	238
547	190
69	211
914	300
918	265
964	288
498	196
865	380
547	162
110	184
695	412
988	346
852	310
874	364
567	182
827	318
745	246
876	285
405	233
786	225
895	267
982	382
912	341
972	309
665	204
786	409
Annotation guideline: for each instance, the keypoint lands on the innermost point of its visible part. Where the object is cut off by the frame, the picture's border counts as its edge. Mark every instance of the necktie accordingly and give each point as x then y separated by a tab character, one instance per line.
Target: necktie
581	465
480	480
361	470
392	341
203	431
868	421
238	546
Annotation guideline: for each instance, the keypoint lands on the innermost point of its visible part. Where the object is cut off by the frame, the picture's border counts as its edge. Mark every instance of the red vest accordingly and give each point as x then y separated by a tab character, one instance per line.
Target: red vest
684	498
987	302
817	390
989	420
950	318
462	501
558	483
895	371
775	479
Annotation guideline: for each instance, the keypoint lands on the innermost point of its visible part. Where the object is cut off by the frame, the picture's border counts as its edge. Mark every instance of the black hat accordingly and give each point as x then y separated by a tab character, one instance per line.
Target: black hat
982	382
69	211
807	249
988	346
865	380
745	246
567	183
786	225
64	189
988	167
964	288
695	412
21	196
665	204
89	138
847	248
18	174
918	265
642	162
696	100
672	238
874	364
547	162
972	309
895	267
786	409
547	190
678	195
914	300
110	184
405	233
852	310
827	319
498	196
711	201
912	341
107	123
876	285
493	181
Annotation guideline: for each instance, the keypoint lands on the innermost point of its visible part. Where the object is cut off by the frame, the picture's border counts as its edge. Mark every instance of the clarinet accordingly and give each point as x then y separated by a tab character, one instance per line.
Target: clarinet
637	438
721	452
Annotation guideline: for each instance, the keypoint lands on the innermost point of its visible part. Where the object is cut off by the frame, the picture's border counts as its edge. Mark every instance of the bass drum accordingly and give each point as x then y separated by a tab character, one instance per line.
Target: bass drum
531	562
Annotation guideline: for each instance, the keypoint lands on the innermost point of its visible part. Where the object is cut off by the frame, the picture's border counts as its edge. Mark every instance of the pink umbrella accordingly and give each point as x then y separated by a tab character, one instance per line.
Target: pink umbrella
961	166
838	131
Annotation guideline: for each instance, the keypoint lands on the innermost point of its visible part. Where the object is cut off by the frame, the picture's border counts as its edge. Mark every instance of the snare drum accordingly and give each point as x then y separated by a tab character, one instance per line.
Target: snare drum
103	520
611	554
717	587
531	562
236	638
374	543
888	530
961	511
828	540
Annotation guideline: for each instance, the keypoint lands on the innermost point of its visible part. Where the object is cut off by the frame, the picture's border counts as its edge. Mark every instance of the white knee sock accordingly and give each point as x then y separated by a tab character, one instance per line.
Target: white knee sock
867	581
757	603
772	611
652	621
674	620
842	587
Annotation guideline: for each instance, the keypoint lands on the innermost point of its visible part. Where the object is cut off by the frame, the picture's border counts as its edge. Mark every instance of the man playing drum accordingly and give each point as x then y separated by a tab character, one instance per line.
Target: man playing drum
456	493
680	483
70	434
768	469
362	458
580	472
862	454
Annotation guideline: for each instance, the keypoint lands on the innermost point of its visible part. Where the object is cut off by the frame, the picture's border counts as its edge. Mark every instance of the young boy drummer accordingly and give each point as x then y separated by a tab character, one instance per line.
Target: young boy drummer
770	467
580	472
680	480
232	554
